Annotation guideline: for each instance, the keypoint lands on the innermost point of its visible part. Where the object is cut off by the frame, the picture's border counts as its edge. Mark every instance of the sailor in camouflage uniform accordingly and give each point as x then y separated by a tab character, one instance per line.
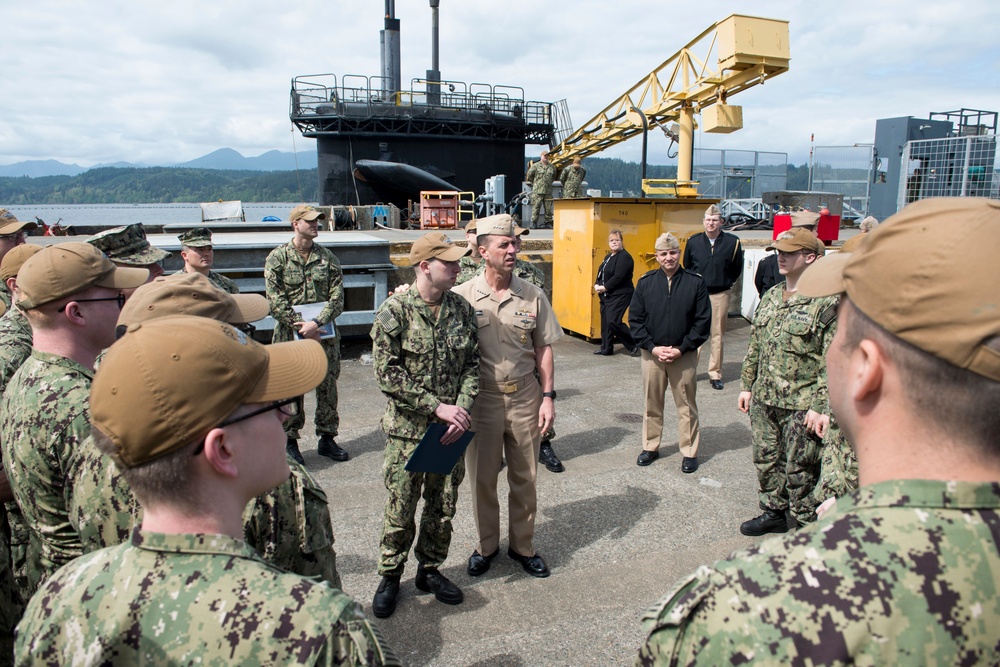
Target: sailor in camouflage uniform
426	356
11	235
902	571
15	348
784	389
540	175
289	526
572	179
304	272
127	246
186	588
473	265
71	295
198	255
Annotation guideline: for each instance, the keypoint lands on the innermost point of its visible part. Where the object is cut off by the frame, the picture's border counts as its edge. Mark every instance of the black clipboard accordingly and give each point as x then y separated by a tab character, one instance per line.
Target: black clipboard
431	456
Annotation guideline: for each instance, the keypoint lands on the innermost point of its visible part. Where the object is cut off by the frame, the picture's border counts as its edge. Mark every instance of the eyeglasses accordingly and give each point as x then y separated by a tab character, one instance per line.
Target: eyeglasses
290	407
120	299
793	253
16	236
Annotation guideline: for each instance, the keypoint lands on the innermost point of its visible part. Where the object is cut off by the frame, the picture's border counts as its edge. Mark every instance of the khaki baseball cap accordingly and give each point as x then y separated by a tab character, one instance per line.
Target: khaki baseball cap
199	237
306	212
798	238
191	294
9	224
436	245
64	269
15	259
128	245
804	219
929	275
472	226
167	382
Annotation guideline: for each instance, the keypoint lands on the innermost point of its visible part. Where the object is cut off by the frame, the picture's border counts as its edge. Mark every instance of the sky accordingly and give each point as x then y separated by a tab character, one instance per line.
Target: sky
166	82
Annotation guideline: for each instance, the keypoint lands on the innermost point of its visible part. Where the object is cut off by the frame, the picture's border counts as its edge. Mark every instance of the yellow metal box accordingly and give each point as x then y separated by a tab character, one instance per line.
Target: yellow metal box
743	41
722	118
580	242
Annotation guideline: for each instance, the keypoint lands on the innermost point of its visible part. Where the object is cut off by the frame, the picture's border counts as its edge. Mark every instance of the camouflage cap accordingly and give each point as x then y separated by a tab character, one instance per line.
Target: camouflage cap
15	259
167	382
64	269
798	238
199	237
667	242
436	245
128	245
305	212
924	283
804	219
9	224
191	294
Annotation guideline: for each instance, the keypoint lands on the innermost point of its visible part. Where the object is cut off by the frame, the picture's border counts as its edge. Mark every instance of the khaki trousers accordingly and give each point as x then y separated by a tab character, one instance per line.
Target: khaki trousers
680	375
720	312
506	425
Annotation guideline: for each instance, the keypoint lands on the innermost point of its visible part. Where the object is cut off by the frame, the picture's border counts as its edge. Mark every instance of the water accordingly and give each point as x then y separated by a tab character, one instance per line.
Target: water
114	215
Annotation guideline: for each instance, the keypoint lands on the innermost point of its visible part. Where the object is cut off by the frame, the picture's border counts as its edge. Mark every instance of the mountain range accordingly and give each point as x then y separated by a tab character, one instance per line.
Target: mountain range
224	158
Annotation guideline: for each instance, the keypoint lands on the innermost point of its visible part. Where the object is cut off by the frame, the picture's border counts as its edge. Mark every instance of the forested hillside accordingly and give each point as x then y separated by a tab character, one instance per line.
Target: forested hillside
165	185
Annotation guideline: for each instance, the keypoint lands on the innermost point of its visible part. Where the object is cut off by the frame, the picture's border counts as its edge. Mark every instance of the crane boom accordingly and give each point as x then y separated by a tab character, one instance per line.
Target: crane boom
746	51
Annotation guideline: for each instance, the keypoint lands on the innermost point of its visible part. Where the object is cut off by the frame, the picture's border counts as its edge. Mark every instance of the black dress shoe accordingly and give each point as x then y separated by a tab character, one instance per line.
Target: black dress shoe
330	449
771	521
479	564
548	458
432	581
603	353
716	384
292	451
635	352
384	602
689	464
647	457
533	565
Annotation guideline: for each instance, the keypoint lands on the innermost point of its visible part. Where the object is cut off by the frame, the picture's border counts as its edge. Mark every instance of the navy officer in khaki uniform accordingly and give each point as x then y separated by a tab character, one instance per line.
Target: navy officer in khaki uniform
516	330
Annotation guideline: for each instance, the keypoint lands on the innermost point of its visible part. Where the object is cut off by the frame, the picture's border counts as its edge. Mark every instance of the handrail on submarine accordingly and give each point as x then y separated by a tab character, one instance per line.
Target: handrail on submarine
746	50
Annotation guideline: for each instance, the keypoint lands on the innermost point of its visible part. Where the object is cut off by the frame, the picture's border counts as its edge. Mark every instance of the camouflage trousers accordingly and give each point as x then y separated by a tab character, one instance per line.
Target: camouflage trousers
18	537
327	418
440	494
838	467
290	527
538	202
787	457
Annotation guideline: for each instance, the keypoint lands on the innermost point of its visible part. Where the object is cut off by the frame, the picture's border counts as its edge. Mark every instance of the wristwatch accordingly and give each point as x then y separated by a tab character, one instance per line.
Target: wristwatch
549	394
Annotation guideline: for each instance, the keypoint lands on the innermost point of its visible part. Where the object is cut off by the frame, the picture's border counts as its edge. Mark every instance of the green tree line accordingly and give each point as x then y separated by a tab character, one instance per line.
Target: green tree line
160	185
182	185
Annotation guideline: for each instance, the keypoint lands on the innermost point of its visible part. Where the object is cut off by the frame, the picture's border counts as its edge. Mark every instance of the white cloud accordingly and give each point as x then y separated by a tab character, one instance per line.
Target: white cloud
167	82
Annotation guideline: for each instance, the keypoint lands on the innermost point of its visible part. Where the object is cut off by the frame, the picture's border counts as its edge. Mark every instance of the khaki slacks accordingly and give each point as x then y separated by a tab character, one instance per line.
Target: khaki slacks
506	425
680	375
720	312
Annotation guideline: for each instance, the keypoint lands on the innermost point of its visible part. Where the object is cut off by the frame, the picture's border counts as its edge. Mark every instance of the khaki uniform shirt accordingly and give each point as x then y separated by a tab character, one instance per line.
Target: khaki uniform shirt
511	329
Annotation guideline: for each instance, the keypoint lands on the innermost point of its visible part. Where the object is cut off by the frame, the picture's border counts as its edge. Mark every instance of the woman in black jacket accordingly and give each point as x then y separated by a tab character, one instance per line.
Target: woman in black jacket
614	288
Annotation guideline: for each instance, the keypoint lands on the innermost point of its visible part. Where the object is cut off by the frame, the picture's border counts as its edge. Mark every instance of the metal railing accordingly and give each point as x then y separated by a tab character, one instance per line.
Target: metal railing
321	95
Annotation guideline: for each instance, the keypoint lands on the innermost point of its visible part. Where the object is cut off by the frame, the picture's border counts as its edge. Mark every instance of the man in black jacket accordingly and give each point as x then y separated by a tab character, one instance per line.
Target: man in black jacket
717	257
614	289
670	316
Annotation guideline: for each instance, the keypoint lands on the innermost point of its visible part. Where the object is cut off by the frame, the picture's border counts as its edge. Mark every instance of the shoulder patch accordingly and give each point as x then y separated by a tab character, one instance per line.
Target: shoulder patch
386	321
828	315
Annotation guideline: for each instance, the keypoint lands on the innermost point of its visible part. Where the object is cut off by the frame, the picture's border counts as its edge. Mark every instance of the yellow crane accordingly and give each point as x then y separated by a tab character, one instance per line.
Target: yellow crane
730	56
